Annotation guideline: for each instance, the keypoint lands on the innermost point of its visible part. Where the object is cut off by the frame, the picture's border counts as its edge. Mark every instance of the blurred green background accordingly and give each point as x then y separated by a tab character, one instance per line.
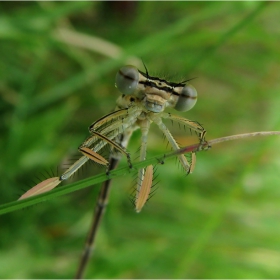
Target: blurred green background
58	65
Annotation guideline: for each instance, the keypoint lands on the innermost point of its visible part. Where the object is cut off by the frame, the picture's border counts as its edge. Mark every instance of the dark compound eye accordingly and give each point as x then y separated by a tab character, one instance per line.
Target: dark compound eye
187	98
127	79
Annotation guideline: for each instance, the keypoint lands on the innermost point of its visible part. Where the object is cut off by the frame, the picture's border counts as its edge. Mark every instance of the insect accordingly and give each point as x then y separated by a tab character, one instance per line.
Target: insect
143	102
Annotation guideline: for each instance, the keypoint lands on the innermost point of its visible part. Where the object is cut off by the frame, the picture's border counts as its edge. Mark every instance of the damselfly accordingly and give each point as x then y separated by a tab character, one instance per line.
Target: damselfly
143	101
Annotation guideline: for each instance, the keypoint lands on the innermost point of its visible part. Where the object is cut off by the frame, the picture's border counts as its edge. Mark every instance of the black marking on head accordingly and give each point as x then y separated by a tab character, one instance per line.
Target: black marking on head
161	84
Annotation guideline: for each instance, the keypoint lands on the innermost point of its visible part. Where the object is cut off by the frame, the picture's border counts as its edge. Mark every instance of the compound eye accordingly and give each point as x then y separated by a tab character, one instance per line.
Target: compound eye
187	98
127	79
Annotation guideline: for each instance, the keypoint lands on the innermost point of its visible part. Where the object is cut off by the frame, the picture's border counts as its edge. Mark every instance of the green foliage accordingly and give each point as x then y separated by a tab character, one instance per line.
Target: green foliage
220	222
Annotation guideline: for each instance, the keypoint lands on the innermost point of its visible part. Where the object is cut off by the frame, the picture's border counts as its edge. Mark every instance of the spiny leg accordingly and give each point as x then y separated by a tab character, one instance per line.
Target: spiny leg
191	124
91	153
119	115
107	133
101	136
184	162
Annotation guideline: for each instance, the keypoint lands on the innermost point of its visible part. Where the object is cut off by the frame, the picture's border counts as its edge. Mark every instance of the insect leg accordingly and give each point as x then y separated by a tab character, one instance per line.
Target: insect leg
90	149
184	162
191	124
